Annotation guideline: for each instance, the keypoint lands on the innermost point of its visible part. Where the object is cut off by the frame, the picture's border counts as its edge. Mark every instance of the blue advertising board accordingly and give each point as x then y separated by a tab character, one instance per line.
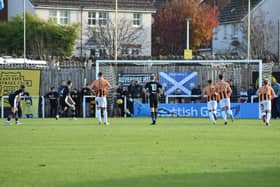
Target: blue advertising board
240	110
174	82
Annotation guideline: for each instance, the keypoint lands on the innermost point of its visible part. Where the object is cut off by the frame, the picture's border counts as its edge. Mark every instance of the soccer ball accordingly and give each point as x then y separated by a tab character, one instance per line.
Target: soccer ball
119	101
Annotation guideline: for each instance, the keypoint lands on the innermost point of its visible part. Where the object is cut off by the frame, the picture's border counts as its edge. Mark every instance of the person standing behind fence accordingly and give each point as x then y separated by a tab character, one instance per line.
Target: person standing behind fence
100	87
212	98
86	91
14	101
224	91
276	88
77	99
266	94
52	96
153	90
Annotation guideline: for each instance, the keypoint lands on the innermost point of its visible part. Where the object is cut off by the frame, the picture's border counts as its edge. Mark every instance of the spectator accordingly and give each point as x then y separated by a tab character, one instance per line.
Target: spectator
132	89
119	102
138	89
196	91
276	104
243	96
77	99
52	97
251	91
234	95
86	91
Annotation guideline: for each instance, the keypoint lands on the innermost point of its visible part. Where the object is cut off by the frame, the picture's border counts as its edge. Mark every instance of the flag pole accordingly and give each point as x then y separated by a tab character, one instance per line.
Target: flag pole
249	31
24	32
116	31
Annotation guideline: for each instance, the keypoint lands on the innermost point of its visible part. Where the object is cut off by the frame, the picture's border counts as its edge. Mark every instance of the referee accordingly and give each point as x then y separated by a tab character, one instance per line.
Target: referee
153	89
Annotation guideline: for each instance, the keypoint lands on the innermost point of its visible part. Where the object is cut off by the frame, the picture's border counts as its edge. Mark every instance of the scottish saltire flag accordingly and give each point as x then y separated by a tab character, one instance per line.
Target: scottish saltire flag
174	82
1	4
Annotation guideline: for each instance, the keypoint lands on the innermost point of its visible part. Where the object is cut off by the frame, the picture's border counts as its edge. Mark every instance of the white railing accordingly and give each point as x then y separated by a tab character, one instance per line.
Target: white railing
23	97
197	96
91	96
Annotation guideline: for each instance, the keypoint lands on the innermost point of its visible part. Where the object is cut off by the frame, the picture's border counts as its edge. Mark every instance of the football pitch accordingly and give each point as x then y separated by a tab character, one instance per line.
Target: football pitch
178	152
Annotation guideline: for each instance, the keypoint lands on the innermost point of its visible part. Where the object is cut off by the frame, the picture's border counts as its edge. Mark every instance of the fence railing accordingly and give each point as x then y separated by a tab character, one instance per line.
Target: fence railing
42	104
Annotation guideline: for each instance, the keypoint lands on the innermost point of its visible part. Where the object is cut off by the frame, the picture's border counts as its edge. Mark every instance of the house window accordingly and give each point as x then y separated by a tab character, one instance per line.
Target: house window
234	30
137	19
135	52
91	18
95	18
225	31
103	16
60	16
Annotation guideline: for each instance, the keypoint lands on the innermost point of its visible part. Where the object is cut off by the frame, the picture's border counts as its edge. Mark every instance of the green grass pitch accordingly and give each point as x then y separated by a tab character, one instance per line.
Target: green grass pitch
178	152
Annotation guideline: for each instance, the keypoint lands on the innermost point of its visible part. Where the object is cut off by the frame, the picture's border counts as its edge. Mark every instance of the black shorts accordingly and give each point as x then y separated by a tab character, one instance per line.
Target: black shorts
64	104
11	101
153	100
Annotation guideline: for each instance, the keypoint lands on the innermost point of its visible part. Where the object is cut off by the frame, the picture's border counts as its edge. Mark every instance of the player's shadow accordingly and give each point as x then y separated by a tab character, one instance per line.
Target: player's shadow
269	177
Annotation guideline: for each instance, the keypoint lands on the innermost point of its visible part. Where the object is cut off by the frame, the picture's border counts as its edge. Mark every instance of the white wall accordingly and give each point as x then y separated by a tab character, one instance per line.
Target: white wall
16	7
222	44
75	17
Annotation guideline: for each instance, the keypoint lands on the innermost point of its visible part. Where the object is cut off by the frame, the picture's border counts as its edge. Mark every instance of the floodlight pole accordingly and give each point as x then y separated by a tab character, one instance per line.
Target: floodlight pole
188	33
81	34
24	32
249	31
278	40
116	32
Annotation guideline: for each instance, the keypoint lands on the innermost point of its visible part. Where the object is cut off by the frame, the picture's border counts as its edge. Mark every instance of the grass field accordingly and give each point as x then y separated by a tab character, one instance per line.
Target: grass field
175	153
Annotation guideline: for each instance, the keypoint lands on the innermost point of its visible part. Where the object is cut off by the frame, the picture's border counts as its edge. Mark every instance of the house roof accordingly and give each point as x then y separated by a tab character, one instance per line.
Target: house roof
158	4
123	4
236	10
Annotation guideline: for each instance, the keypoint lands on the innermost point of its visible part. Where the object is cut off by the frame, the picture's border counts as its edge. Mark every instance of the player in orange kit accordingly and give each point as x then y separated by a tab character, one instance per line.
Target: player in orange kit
212	98
266	94
100	87
224	91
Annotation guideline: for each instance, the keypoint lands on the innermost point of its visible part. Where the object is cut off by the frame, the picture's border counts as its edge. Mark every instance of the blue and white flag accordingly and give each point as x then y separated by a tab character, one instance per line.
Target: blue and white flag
178	81
1	4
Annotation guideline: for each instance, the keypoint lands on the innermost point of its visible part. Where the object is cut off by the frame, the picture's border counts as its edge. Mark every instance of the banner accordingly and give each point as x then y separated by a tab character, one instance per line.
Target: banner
174	82
11	79
125	79
240	110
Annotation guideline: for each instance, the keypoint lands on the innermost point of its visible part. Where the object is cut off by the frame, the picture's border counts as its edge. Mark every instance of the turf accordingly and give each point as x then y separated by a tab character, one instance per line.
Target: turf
130	152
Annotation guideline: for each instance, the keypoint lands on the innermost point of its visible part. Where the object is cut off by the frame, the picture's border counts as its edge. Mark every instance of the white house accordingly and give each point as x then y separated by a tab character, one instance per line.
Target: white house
100	15
228	34
15	7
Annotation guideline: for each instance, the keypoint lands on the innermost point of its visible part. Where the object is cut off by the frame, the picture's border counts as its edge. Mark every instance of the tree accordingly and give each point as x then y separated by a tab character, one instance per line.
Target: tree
263	36
43	39
170	26
127	37
219	3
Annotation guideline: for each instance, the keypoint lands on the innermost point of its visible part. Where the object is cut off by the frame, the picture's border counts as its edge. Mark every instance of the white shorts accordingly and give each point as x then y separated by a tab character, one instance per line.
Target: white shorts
225	103
266	105
68	102
101	102
15	104
212	105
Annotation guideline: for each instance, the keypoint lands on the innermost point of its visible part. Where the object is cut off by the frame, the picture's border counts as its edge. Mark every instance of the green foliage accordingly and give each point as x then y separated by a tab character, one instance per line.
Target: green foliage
43	39
178	152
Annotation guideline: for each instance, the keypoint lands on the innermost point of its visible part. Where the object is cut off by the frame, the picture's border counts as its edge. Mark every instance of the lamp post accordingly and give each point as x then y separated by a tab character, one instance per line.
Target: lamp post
116	32
249	31
278	40
188	33
81	34
24	32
